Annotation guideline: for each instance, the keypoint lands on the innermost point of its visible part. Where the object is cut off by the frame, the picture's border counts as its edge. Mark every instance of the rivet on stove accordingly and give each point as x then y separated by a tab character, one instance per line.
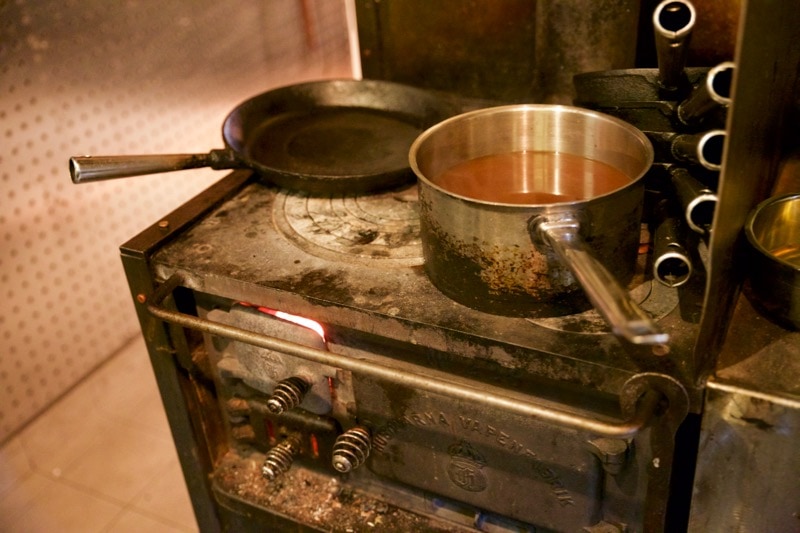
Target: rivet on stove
141	298
660	350
164	224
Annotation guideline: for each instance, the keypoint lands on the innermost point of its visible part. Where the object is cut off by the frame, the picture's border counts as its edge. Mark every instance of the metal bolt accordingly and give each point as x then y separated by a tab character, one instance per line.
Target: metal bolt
613	453
164	224
141	298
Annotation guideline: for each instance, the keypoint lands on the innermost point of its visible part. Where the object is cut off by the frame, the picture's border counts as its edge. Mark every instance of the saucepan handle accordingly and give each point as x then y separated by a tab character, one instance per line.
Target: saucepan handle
639	414
626	318
85	169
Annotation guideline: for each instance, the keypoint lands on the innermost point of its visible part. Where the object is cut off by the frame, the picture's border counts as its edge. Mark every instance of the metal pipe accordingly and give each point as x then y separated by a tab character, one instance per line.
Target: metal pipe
704	149
409	375
673	22
671	263
712	93
698	201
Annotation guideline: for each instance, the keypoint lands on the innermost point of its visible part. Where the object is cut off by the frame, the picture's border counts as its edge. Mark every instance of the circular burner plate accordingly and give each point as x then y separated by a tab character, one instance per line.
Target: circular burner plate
379	230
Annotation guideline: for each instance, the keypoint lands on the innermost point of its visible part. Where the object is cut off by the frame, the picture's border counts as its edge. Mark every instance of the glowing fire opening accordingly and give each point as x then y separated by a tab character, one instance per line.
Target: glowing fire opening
307	323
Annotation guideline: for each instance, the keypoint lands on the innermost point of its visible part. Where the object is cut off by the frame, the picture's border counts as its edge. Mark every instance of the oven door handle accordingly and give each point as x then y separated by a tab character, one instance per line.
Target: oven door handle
643	397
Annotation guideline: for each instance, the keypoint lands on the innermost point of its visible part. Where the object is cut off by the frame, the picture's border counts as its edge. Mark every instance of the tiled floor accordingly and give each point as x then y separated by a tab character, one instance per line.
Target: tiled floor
101	459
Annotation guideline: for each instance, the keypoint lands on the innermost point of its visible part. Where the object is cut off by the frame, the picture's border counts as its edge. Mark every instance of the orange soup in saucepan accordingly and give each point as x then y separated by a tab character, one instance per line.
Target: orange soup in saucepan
531	178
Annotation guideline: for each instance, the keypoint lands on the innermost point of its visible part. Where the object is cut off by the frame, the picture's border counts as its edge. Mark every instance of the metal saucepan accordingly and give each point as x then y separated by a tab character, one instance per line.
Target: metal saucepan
773	234
321	137
515	237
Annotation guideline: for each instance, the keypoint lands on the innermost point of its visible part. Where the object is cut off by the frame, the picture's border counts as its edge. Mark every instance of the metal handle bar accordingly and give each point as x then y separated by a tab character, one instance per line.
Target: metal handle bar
86	169
562	233
409	375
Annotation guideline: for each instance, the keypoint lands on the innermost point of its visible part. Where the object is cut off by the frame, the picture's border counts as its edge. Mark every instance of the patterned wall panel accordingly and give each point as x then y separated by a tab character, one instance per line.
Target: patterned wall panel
103	78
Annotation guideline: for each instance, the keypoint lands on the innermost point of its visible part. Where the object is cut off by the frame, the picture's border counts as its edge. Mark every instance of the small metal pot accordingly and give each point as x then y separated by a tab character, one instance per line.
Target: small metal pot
773	234
532	259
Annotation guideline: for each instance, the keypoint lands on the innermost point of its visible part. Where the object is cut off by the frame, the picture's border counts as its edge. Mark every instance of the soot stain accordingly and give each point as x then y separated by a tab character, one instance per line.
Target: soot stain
757	422
366	236
325	285
257	207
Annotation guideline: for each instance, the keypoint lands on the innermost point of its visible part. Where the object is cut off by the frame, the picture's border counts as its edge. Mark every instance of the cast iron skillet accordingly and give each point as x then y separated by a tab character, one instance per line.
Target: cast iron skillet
320	137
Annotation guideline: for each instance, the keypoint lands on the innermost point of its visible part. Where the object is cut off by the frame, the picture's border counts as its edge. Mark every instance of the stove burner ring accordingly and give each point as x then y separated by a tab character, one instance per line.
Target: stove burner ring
379	229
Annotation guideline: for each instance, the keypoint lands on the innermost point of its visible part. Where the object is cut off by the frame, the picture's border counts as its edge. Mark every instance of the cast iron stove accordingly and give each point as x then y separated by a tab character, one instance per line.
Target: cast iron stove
409	411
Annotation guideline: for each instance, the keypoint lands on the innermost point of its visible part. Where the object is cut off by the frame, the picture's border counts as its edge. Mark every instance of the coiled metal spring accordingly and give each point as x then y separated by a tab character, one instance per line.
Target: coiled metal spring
279	459
351	449
287	395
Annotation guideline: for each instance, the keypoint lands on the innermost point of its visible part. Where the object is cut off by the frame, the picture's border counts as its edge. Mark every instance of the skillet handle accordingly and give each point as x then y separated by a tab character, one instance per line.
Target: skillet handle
626	318
85	169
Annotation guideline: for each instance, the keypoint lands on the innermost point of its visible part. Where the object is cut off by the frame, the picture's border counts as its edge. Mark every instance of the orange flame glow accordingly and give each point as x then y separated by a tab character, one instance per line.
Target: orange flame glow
313	325
307	323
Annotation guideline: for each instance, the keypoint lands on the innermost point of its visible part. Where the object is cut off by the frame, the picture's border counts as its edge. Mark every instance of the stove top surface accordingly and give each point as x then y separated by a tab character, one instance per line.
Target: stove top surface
356	261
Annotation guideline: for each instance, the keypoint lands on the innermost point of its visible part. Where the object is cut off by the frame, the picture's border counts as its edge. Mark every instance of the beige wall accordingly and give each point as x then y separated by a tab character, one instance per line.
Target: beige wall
95	77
